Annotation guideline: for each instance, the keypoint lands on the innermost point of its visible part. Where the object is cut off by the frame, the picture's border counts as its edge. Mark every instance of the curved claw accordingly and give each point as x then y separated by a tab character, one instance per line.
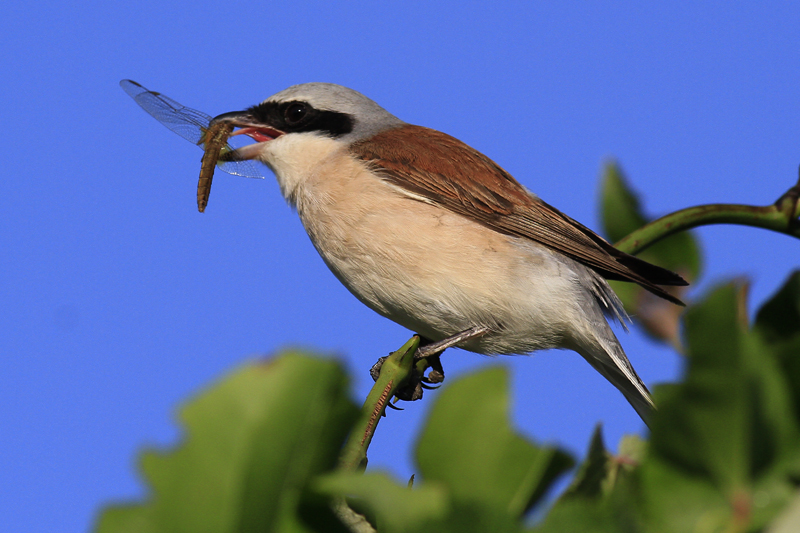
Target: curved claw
430	352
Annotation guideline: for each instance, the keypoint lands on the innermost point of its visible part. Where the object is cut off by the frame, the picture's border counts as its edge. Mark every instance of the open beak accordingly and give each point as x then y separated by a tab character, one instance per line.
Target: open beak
247	125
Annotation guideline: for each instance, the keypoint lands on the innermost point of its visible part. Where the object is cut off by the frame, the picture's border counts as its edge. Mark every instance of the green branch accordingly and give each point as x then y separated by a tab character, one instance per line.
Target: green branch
395	371
782	216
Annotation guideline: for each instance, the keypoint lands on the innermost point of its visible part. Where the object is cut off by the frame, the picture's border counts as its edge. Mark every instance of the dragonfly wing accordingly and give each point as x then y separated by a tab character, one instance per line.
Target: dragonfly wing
185	121
188	123
247	168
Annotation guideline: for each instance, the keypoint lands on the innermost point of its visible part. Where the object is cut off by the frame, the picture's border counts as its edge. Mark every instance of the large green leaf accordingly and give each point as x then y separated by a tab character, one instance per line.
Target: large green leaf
477	474
253	442
469	447
396	508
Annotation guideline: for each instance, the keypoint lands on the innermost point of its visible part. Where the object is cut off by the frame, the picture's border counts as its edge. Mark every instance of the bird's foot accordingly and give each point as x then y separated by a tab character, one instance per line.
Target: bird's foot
418	381
427	358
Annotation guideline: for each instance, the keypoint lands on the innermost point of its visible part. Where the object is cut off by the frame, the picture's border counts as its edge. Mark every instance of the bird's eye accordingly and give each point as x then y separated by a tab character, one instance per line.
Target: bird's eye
295	113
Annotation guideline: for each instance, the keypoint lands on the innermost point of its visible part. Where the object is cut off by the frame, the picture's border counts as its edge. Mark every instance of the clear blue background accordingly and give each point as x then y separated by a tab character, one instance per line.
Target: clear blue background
118	300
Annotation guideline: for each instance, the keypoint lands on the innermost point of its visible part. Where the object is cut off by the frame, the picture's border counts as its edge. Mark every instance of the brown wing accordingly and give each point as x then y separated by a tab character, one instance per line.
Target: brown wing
447	172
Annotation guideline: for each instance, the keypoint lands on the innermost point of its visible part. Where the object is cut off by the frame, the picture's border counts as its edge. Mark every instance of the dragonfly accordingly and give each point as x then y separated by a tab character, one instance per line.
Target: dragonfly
194	126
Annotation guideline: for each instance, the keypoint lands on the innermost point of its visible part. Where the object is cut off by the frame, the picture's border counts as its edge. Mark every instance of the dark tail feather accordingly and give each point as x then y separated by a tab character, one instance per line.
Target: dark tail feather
649	276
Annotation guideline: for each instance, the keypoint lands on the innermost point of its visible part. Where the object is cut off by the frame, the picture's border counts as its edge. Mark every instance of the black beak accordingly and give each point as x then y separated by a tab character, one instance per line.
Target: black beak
240	119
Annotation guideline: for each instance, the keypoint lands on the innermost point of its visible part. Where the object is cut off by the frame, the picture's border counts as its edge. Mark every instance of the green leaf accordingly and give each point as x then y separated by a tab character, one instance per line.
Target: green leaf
397	508
476	473
632	451
582	515
724	447
670	500
789	519
621	214
468	446
588	481
778	322
598	498
701	424
253	442
779	318
621	210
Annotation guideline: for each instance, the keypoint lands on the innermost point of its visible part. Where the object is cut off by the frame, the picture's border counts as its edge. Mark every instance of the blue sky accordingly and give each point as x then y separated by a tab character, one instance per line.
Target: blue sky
118	300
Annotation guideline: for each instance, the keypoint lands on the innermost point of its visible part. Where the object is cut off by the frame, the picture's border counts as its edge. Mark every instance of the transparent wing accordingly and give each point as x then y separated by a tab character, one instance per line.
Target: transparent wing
246	169
189	123
186	122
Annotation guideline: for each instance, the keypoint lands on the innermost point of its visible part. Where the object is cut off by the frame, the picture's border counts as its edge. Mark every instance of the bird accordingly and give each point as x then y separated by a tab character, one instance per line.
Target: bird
435	236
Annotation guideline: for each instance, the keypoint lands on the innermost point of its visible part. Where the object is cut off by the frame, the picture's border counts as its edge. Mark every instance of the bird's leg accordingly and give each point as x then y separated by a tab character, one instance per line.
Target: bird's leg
431	348
427	356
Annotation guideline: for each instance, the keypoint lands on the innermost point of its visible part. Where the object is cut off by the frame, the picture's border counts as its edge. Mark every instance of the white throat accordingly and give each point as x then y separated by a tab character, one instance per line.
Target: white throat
296	160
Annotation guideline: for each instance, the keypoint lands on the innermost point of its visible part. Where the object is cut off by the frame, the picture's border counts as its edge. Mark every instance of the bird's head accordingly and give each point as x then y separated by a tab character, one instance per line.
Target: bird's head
309	110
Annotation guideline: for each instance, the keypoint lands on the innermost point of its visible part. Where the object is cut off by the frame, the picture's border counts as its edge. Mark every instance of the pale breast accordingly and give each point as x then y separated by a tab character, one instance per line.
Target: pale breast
423	266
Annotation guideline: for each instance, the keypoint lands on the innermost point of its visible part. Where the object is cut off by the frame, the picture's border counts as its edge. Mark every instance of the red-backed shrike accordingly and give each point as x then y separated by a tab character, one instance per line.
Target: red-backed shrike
435	236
